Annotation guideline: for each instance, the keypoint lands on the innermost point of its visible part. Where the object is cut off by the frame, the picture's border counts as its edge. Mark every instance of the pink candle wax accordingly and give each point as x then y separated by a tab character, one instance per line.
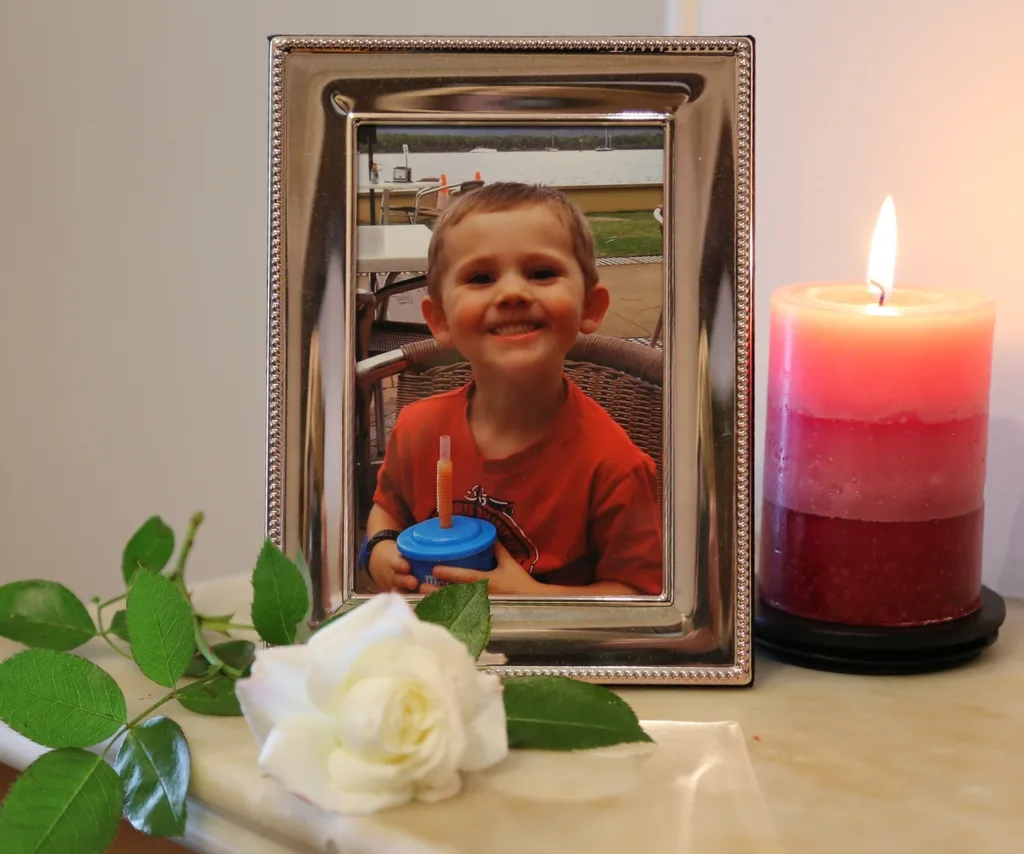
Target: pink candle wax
875	454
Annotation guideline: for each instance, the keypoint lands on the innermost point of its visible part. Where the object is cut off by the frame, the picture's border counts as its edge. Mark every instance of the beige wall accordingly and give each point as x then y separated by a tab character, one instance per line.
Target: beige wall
133	259
920	99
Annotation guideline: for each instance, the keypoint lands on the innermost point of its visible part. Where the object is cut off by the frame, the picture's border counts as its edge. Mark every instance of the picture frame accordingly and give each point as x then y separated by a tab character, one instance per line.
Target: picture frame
335	239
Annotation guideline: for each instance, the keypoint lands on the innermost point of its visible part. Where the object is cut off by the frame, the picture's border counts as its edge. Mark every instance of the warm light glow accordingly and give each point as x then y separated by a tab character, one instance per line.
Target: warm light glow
882	261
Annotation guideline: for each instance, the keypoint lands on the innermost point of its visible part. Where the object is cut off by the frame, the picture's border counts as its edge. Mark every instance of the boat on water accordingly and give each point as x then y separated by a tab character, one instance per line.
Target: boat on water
607	143
482	150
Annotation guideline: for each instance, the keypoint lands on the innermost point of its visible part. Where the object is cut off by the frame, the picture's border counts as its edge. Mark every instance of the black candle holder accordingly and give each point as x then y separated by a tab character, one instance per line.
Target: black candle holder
881	650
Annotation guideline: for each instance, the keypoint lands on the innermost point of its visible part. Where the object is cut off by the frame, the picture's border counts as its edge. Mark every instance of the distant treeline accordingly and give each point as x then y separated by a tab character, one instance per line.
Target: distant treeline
429	143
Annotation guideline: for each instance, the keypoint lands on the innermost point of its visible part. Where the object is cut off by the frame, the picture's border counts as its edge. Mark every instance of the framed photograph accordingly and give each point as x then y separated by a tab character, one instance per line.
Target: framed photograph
510	339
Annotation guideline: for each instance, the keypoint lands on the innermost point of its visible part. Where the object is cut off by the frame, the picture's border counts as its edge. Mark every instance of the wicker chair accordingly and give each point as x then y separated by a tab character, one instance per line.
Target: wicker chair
624	377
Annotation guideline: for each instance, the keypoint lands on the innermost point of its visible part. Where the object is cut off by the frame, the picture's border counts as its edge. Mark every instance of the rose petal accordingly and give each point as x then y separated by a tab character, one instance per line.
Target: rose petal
363	787
296	754
275	690
376	709
384	644
352	625
487	733
434	790
428	745
361	803
453	656
389	649
370	786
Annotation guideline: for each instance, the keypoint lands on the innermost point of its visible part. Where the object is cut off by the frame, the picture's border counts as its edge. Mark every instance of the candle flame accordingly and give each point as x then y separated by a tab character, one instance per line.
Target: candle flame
882	261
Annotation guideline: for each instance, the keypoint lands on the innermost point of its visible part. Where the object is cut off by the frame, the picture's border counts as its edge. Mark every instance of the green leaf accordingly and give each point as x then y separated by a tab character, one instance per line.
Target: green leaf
161	628
198	666
236	653
279	599
464	610
68	800
119	625
44	614
216	697
154	765
554	713
59	700
150	547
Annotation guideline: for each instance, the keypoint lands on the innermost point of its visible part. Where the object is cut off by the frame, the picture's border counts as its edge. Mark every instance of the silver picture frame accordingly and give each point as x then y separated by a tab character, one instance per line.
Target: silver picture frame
324	91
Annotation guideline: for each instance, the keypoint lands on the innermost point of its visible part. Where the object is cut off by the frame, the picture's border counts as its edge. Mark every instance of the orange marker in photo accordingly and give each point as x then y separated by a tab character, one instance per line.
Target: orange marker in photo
442	192
444	483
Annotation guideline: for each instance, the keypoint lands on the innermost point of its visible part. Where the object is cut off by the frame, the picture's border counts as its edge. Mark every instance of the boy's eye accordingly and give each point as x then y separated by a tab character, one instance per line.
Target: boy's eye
479	279
545	273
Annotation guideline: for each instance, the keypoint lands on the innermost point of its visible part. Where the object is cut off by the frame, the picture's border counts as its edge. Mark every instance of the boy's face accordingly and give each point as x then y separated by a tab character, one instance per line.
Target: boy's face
512	294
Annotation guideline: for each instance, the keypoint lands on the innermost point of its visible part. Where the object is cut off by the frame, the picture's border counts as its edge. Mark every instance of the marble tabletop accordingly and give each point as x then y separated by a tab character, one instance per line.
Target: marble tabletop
804	761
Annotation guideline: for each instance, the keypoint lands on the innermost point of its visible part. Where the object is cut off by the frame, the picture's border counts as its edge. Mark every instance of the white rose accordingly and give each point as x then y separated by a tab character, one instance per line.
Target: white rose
376	709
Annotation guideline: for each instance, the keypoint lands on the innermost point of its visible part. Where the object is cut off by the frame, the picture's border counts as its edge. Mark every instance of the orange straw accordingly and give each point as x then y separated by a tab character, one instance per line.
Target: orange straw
444	483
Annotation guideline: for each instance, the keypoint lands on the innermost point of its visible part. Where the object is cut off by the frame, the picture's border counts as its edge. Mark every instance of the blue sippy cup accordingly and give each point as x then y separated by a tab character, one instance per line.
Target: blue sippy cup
468	543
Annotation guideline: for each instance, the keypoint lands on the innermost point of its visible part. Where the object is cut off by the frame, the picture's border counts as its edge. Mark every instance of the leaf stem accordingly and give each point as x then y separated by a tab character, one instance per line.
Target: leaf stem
117	598
223	627
186	547
101	605
209	677
105	634
178	577
212	657
115	647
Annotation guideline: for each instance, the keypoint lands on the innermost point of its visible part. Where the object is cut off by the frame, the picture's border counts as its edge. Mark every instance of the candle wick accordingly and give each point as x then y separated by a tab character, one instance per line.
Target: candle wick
881	290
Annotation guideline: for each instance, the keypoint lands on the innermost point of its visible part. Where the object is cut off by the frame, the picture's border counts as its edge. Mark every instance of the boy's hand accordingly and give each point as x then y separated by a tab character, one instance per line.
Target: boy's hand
507	577
389	570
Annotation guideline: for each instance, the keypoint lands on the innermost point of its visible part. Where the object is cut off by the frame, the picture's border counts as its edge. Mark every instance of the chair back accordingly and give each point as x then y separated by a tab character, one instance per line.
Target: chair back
624	377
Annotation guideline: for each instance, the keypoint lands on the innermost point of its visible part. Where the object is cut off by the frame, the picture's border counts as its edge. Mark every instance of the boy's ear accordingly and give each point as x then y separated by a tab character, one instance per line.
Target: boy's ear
595	304
433	313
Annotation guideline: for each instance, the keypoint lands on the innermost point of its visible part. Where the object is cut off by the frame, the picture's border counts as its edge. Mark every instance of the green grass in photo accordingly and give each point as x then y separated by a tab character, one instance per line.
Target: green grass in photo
624	234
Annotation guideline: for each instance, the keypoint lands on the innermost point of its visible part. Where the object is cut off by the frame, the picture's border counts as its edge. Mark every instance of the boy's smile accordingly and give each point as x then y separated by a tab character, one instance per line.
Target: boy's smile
513	297
517	331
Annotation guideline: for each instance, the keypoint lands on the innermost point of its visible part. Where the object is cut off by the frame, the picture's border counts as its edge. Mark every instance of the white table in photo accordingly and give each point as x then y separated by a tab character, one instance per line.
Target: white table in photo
392	248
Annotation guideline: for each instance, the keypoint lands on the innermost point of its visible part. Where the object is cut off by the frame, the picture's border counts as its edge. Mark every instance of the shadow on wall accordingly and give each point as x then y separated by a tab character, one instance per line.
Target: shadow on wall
1004	506
1004	484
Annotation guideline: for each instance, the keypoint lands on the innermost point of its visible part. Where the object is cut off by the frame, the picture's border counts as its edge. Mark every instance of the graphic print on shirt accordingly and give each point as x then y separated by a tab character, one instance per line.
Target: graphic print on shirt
479	505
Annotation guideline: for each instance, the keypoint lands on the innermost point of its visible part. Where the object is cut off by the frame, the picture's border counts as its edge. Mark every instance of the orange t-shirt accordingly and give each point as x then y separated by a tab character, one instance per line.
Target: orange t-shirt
578	506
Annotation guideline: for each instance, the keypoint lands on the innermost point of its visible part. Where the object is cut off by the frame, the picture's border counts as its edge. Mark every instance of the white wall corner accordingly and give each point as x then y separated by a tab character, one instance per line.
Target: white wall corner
682	17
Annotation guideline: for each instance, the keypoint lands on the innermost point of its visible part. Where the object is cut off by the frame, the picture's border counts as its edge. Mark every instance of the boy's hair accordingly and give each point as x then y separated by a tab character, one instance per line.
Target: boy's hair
505	196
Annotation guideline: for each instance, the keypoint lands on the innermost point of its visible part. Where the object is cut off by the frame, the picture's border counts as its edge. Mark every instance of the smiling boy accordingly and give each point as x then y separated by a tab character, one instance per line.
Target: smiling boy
512	281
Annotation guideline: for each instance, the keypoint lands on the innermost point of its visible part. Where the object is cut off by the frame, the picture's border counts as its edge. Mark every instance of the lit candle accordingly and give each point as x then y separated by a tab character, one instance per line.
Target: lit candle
875	451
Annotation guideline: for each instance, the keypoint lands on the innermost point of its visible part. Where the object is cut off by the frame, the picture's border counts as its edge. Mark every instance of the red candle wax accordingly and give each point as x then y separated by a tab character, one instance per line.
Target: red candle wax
875	454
